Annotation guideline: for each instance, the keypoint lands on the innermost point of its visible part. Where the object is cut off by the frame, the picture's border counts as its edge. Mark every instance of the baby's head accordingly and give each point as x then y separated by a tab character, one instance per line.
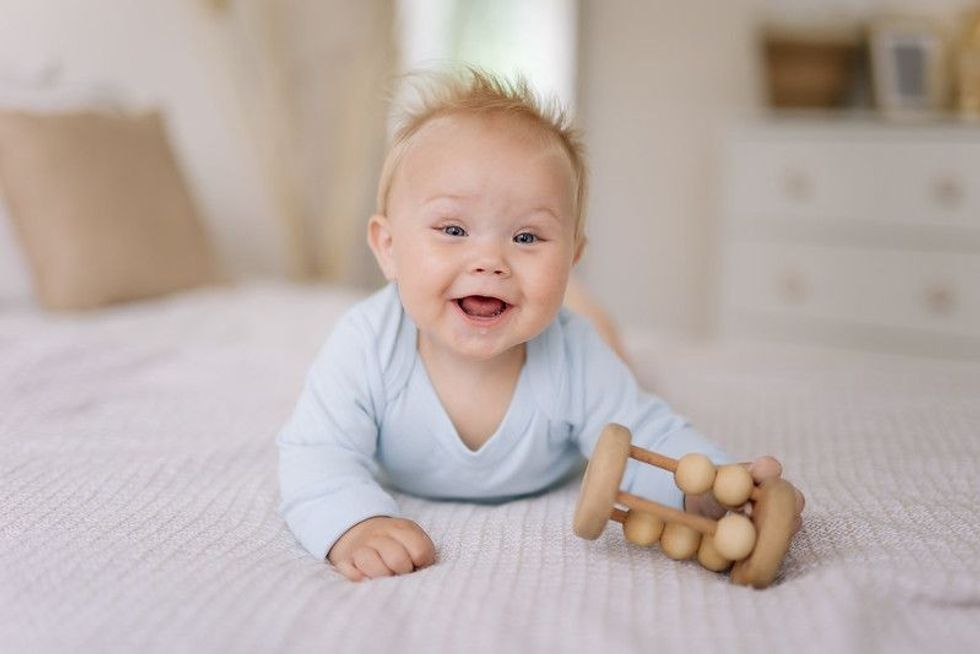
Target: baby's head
480	214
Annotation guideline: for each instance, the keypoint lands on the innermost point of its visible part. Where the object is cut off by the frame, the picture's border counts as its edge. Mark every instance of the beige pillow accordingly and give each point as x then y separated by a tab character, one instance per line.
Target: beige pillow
100	207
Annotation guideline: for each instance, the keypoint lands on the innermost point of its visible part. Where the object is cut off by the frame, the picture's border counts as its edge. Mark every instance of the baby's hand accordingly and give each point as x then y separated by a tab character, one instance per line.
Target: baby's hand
761	469
381	547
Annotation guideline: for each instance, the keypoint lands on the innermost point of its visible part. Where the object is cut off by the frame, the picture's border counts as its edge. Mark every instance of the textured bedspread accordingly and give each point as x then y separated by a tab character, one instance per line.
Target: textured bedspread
138	503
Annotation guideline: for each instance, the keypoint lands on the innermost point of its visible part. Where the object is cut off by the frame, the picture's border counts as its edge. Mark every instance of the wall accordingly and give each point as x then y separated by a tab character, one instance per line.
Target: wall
161	53
657	81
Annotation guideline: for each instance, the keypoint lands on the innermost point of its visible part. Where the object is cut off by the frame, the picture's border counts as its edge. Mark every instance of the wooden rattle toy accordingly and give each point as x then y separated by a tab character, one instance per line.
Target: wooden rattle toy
753	548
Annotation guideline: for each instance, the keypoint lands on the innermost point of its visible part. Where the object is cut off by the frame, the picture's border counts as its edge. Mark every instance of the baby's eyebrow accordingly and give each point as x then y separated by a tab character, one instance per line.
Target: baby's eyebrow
453	197
547	211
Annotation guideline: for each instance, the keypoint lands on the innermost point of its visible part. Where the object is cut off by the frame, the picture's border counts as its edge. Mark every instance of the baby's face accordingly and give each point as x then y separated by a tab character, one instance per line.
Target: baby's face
480	233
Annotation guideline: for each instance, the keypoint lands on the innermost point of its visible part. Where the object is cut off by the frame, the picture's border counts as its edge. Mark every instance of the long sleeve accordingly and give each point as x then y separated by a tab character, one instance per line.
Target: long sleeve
604	390
326	450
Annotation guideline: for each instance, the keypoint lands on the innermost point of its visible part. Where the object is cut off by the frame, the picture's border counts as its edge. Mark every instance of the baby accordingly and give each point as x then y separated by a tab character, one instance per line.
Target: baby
465	378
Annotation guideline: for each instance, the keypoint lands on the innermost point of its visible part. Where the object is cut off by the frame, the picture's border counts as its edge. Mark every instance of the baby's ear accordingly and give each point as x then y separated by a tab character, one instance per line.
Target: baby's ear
380	241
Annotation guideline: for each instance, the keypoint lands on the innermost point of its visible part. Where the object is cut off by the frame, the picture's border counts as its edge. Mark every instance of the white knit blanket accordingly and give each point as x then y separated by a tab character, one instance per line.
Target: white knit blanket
138	503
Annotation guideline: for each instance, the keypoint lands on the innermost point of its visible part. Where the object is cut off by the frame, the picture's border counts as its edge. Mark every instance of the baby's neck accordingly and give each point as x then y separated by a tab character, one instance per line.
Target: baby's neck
475	394
445	363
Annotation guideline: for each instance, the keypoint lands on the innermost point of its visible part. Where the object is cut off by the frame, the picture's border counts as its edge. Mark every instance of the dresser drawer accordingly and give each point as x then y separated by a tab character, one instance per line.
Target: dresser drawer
936	293
856	176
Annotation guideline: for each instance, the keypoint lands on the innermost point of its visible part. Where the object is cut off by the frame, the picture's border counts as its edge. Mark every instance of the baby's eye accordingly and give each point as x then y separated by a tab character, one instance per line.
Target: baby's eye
453	230
525	238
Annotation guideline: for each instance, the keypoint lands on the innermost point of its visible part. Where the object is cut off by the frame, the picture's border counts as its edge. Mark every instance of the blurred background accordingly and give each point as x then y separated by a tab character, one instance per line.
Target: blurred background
803	170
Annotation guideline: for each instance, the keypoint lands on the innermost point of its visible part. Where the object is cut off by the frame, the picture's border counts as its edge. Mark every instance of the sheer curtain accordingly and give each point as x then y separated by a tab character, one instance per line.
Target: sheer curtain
312	77
537	39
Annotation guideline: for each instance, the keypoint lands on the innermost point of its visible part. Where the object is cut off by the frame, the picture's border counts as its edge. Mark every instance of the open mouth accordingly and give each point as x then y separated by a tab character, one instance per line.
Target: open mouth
482	307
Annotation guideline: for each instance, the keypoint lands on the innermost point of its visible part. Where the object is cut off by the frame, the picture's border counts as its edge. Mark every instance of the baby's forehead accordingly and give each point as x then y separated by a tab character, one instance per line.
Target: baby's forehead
473	136
437	152
505	126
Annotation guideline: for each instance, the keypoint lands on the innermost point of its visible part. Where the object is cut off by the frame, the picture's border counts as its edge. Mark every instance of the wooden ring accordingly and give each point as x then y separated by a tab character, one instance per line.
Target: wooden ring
773	514
600	485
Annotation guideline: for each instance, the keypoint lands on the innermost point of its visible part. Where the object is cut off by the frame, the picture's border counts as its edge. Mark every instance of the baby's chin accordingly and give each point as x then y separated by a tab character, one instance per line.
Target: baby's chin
482	351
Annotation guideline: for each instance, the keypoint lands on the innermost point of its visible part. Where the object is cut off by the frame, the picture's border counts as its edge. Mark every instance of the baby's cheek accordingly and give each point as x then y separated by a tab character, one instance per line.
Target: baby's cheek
550	291
414	299
547	302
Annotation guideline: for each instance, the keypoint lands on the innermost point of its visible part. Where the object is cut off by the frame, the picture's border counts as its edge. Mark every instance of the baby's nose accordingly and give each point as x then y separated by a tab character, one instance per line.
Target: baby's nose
490	261
496	269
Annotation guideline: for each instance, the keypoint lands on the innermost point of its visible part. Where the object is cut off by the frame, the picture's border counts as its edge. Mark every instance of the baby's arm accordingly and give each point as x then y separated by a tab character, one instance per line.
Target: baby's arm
608	392
330	497
603	390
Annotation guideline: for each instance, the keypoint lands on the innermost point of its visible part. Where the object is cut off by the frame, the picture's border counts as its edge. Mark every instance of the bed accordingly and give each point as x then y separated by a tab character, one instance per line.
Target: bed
138	502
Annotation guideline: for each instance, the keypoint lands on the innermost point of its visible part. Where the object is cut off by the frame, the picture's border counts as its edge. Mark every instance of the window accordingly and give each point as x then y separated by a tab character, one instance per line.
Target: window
536	39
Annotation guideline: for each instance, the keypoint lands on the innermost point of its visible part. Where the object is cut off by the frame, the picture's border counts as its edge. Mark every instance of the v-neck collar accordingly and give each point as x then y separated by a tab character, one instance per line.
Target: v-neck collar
539	387
508	431
514	423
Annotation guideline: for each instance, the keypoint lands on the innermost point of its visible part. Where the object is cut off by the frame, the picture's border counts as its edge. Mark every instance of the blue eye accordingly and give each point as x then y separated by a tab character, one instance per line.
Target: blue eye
525	238
453	230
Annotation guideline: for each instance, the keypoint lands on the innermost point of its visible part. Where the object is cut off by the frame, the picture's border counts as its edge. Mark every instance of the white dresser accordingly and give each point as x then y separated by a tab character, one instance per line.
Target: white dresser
852	233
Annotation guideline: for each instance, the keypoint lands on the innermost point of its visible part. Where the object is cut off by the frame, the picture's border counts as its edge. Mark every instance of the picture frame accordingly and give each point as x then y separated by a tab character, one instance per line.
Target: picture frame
909	66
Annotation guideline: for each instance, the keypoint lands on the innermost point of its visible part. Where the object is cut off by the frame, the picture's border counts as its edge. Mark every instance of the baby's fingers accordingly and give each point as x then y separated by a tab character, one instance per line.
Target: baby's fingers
394	555
368	561
419	546
348	569
765	467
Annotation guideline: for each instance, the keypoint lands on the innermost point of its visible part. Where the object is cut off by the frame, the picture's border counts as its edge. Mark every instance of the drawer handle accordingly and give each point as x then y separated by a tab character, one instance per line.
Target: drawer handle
797	185
792	287
940	299
948	192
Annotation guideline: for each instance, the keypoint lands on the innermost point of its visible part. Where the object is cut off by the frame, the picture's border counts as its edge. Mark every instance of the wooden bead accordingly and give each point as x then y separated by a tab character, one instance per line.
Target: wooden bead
641	528
733	485
734	537
679	541
695	474
709	557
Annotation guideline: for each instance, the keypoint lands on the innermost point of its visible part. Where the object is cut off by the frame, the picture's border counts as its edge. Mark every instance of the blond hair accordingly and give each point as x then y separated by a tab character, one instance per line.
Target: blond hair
477	92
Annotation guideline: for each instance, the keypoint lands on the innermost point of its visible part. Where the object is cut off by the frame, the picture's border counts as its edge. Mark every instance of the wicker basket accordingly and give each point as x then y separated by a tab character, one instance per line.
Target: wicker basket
806	73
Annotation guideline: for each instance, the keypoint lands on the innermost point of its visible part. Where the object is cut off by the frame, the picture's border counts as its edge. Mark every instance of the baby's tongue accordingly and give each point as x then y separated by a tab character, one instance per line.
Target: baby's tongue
484	307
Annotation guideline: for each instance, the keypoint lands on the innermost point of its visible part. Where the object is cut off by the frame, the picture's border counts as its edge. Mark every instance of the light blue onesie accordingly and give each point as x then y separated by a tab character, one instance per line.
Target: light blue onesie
368	401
